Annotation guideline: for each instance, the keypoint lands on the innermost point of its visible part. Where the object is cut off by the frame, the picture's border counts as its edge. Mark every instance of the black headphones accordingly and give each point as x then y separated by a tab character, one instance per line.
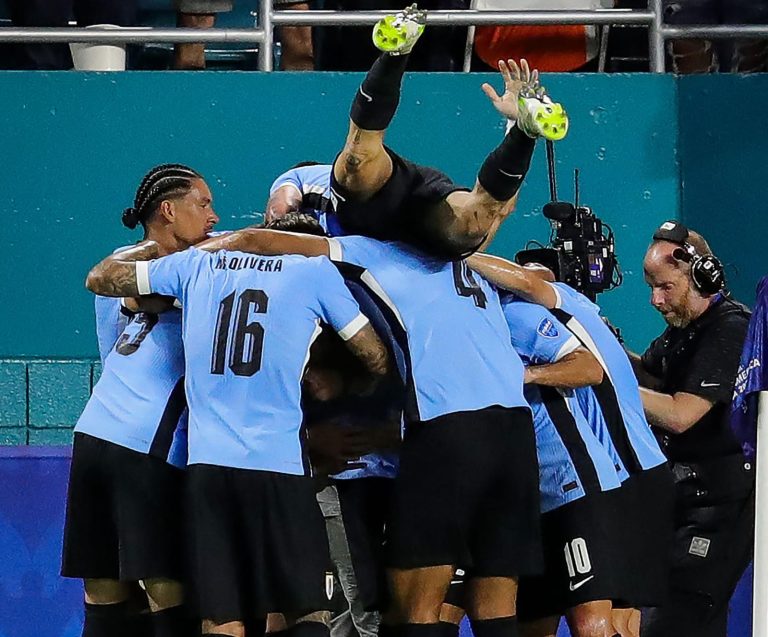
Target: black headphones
706	270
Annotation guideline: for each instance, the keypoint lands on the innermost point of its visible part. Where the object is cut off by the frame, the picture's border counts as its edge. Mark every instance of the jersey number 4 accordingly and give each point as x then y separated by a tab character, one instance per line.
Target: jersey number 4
466	285
246	340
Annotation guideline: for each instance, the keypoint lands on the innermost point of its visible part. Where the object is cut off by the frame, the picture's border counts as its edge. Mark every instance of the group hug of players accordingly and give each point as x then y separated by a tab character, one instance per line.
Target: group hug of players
521	459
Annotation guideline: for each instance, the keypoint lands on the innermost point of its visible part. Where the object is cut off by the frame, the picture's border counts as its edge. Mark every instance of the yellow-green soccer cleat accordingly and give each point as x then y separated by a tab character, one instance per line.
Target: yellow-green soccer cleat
539	116
396	34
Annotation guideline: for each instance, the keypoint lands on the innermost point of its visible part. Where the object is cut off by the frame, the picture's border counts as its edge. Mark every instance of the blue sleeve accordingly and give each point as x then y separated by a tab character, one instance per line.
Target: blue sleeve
289	177
355	250
110	322
569	299
536	335
338	307
169	275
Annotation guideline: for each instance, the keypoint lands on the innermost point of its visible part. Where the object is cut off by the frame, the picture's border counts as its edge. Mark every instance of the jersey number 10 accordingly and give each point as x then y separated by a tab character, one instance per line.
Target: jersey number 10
246	340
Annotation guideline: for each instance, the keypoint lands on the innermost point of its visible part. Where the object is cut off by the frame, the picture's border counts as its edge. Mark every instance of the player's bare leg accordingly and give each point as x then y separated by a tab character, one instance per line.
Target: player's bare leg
627	621
230	629
107	606
169	614
465	220
363	166
491	606
417	594
592	619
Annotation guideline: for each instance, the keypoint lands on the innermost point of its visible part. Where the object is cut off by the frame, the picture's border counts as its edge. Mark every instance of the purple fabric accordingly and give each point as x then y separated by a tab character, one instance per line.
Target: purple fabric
751	377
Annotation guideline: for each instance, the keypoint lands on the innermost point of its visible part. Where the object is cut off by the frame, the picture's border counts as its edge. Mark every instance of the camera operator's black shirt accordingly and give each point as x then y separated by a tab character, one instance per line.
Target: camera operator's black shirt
701	359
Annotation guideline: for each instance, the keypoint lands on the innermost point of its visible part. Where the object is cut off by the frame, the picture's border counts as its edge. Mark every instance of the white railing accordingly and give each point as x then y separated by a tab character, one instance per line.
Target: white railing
658	32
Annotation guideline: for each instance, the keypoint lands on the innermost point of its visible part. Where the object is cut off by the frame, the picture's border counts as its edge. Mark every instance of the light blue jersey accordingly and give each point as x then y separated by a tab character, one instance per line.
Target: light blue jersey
110	323
314	184
138	402
249	322
446	323
572	462
614	407
111	319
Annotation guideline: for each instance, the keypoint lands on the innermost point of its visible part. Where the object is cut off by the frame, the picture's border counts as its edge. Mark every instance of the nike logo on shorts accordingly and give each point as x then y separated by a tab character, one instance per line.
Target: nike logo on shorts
578	585
705	384
365	95
510	174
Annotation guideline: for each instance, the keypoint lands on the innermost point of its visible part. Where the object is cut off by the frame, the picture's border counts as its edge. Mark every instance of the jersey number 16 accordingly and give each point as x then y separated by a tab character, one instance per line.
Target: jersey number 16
246	340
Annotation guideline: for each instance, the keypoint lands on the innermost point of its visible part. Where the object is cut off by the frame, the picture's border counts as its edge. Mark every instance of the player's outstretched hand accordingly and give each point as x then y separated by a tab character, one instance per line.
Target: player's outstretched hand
516	77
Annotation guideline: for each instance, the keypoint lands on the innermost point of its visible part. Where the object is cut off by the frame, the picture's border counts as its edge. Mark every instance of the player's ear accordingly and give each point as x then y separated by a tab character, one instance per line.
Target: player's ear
167	210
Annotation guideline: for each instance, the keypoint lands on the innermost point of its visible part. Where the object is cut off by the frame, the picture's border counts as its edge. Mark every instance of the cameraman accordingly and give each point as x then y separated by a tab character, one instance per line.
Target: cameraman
688	375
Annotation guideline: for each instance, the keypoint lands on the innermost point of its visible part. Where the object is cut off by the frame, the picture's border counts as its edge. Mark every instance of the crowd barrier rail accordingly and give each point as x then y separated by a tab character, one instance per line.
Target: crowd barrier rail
269	18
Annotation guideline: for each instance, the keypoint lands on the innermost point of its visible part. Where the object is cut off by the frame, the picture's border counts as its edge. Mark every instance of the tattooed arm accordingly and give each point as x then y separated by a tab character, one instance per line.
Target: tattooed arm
116	275
268	243
367	346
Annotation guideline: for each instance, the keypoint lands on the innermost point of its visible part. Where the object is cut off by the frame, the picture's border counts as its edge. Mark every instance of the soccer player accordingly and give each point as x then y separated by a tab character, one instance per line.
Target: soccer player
582	532
304	188
124	520
379	194
356	439
257	535
467	488
620	418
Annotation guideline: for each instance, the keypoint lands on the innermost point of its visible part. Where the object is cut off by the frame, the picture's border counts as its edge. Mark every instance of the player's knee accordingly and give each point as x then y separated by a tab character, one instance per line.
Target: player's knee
230	629
163	593
591	625
106	591
415	608
320	617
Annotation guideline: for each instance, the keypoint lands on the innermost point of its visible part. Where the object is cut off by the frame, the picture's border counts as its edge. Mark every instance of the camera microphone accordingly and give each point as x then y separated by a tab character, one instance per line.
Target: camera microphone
559	211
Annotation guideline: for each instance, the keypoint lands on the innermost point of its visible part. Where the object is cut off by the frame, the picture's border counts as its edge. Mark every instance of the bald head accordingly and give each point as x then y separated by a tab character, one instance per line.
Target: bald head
672	292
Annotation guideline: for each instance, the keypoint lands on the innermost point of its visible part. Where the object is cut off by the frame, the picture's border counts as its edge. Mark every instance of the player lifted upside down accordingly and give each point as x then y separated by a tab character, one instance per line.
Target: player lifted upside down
379	194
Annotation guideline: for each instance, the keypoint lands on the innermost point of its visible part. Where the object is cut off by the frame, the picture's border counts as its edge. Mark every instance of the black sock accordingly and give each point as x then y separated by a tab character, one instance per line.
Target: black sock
419	630
256	627
377	98
449	629
107	620
174	622
497	627
139	624
503	171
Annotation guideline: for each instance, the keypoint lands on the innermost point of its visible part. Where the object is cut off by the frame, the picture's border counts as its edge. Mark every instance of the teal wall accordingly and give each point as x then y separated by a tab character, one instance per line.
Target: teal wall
723	148
73	147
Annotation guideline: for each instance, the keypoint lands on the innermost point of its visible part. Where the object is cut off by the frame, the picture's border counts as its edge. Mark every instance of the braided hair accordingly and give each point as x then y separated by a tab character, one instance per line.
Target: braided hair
165	181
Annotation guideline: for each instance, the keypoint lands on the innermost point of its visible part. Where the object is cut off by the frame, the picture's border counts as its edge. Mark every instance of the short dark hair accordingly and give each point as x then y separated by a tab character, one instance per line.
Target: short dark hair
297	222
162	182
302	164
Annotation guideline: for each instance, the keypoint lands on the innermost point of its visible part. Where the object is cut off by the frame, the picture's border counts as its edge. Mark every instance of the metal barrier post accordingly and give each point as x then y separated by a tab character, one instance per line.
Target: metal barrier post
656	40
266	50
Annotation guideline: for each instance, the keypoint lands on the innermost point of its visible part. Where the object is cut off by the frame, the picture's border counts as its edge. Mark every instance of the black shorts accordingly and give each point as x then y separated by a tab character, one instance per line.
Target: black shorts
407	208
124	514
364	504
258	544
467	494
648	513
582	555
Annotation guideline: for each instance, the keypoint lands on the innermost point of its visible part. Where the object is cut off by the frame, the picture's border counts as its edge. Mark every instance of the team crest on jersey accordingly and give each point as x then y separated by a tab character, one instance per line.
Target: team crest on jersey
547	328
329	585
